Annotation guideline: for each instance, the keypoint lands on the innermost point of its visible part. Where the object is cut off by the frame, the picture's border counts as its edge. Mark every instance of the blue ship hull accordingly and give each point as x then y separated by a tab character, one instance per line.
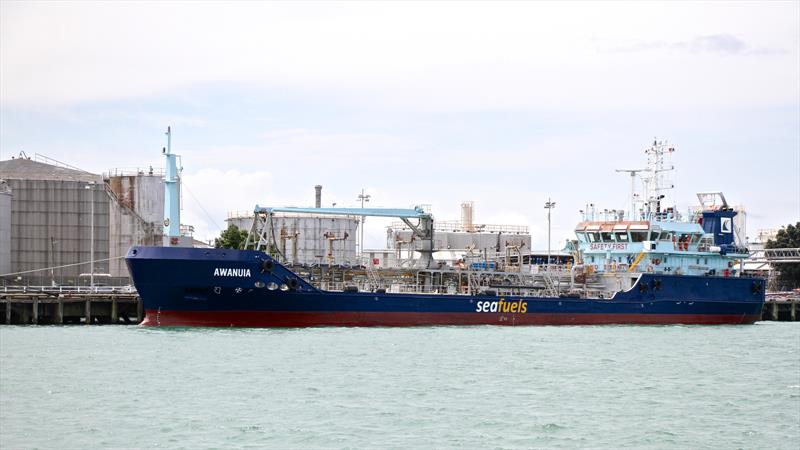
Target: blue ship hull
215	287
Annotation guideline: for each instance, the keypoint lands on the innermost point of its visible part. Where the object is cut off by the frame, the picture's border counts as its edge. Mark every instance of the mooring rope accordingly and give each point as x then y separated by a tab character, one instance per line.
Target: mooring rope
59	267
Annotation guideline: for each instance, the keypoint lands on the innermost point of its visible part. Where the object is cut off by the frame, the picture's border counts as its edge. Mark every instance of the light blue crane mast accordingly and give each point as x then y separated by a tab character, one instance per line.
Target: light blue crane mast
172	201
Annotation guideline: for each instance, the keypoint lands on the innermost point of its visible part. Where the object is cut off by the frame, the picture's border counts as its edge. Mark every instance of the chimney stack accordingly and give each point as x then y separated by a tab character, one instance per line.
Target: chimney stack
318	202
467	216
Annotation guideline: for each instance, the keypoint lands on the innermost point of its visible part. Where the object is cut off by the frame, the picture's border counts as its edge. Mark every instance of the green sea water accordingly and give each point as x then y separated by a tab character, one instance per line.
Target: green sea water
661	387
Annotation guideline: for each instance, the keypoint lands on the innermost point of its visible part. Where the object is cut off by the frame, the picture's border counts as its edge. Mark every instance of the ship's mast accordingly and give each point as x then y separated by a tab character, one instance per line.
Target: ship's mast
172	223
654	182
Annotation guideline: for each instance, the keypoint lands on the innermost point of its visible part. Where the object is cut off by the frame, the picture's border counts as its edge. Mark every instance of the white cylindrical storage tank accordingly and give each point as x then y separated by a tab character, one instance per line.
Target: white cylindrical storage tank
313	239
308	239
242	220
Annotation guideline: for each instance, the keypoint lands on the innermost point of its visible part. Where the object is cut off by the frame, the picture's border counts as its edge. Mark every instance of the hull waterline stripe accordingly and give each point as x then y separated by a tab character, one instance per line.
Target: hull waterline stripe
390	319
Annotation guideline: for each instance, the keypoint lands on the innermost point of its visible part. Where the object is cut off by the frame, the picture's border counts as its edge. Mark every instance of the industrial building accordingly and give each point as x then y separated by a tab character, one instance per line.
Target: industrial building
62	217
453	239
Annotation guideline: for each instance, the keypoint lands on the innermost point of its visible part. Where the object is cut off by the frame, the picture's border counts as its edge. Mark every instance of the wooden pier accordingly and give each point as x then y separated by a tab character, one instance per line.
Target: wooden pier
60	305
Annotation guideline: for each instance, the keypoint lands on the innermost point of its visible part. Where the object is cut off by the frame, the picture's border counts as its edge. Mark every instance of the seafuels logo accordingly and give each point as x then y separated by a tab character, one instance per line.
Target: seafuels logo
229	272
503	306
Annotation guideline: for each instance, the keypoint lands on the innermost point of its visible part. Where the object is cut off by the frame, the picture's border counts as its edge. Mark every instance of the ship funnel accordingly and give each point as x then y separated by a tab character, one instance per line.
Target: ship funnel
720	224
717	217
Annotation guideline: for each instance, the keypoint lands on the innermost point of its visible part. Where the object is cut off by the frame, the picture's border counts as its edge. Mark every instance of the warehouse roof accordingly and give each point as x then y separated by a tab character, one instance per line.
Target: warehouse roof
26	169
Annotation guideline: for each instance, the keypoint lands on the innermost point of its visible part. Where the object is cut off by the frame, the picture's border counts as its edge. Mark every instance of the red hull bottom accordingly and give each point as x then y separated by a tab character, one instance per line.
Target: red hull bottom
389	319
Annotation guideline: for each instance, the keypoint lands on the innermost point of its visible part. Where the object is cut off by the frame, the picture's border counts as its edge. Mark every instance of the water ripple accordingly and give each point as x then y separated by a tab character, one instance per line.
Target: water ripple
441	387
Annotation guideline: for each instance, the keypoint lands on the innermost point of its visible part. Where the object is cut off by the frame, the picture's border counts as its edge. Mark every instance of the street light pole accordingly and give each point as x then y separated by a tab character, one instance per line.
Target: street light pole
364	198
90	188
548	206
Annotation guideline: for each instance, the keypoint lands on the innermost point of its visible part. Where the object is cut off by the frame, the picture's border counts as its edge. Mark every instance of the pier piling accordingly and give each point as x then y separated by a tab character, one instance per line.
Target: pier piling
88	313
59	313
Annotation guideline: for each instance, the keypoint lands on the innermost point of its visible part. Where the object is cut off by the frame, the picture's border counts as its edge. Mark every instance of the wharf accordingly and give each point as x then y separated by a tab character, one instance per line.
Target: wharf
781	306
34	305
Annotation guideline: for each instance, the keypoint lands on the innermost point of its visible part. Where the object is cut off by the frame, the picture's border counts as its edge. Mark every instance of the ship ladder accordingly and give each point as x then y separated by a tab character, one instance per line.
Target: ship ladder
474	283
550	289
636	262
372	277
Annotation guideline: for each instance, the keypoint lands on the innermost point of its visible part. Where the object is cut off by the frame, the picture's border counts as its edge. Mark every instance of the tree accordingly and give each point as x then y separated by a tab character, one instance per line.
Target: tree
788	237
232	237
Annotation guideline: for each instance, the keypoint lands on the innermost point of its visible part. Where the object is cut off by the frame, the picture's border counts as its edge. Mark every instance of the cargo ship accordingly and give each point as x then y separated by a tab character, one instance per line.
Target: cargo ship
653	266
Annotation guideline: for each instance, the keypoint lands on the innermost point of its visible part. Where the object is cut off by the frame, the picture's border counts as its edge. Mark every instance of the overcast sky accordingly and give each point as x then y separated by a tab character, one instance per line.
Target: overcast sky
505	104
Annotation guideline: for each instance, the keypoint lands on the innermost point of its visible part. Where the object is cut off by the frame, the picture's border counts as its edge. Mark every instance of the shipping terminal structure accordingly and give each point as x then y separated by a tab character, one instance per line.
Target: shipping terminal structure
654	265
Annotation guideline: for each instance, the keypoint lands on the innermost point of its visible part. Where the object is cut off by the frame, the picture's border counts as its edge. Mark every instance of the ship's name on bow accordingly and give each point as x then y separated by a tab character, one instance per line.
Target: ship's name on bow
231	272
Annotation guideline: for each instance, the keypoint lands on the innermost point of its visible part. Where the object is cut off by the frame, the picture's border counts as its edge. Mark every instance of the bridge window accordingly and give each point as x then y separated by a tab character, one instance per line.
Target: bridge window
638	236
622	237
594	237
582	237
666	236
605	237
